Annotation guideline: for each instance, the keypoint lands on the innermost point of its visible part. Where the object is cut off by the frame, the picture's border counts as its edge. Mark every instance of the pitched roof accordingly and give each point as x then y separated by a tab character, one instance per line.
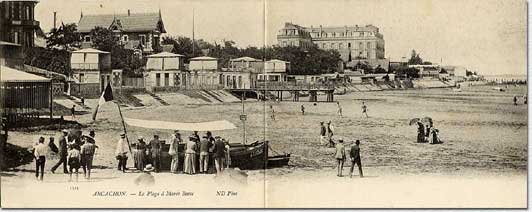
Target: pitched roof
277	61
90	50
12	75
134	22
203	58
247	59
166	54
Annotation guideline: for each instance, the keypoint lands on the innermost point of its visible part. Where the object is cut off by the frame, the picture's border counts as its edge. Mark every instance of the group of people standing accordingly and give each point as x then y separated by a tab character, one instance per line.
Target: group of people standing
326	134
74	152
198	154
427	133
354	157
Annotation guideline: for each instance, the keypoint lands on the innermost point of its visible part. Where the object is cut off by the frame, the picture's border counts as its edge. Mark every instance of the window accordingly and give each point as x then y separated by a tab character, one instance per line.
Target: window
239	81
157	79
166	79
27	13
87	38
15	37
81	78
368	45
125	38
142	40
360	45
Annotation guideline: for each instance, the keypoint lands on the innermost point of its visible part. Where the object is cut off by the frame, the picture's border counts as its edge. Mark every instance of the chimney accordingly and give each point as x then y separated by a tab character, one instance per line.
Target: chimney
128	12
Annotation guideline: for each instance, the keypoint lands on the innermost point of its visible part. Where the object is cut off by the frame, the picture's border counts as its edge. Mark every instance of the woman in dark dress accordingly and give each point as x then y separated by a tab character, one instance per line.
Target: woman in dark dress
140	154
420	132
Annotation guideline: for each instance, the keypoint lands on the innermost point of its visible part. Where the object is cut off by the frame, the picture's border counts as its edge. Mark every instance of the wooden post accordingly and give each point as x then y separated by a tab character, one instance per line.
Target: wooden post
124	125
51	101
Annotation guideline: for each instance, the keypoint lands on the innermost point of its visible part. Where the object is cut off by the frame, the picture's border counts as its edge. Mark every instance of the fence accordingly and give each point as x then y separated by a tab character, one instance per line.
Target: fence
87	90
135	82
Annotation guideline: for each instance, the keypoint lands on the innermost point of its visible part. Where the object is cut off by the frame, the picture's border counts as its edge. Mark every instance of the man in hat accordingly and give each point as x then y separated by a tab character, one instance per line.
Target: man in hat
330	133
155	149
323	132
219	155
40	152
205	145
63	152
122	149
354	154
145	179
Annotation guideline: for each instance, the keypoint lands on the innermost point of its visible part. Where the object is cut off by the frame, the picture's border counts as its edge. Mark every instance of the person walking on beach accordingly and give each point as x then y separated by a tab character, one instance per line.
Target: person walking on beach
73	111
365	109
190	156
515	100
74	161
122	149
302	110
339	109
330	133
87	156
323	133
63	151
525	99
354	154
272	113
40	152
340	156
155	150
140	154
219	155
174	151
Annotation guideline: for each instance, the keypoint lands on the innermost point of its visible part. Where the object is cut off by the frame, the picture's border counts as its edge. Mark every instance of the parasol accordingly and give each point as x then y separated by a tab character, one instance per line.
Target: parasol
413	121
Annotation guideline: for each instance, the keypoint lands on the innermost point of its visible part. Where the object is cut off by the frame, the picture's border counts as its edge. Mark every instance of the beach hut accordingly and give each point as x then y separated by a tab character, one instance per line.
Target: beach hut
24	94
165	71
205	72
91	72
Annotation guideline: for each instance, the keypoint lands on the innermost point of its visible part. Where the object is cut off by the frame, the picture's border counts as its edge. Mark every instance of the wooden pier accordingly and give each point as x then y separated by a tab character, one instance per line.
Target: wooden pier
296	89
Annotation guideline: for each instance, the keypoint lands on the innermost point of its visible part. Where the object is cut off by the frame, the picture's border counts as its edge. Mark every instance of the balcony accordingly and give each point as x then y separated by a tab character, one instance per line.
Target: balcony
25	23
85	66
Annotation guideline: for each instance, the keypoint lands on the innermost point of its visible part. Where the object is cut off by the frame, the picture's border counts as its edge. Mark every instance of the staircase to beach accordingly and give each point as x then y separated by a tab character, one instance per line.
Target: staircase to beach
158	99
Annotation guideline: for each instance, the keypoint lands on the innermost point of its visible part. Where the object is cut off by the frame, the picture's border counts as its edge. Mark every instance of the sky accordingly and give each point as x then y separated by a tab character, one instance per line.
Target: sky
487	36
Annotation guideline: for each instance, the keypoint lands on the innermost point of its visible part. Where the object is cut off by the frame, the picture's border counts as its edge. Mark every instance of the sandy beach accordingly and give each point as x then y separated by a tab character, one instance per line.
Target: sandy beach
484	135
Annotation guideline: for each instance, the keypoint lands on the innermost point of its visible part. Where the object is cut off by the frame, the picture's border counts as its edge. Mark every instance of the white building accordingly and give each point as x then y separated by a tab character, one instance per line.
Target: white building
165	70
274	71
204	73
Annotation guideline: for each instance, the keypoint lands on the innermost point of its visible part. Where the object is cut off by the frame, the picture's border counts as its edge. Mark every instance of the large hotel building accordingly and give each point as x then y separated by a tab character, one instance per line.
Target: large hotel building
354	43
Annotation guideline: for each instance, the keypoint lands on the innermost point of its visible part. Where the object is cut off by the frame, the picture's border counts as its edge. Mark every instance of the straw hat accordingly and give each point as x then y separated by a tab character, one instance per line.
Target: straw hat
149	168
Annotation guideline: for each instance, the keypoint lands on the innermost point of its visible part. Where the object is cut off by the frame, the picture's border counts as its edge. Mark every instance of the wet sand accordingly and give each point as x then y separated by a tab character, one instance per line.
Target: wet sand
484	134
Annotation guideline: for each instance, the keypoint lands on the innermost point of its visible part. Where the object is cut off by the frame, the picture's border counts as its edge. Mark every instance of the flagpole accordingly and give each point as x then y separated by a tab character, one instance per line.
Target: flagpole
123	125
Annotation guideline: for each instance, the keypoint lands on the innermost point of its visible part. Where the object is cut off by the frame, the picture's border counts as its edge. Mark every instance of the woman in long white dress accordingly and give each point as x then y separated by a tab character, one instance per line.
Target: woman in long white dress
174	152
190	156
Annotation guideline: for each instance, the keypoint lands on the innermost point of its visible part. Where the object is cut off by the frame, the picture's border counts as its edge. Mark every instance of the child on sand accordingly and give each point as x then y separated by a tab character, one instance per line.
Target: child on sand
73	160
339	109
365	109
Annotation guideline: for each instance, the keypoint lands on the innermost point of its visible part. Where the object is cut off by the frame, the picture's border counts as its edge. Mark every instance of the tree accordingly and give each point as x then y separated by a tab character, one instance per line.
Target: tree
103	39
415	59
65	36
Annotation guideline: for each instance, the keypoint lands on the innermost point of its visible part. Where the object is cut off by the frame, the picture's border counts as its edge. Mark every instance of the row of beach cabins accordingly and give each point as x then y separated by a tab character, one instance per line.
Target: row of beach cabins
167	71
